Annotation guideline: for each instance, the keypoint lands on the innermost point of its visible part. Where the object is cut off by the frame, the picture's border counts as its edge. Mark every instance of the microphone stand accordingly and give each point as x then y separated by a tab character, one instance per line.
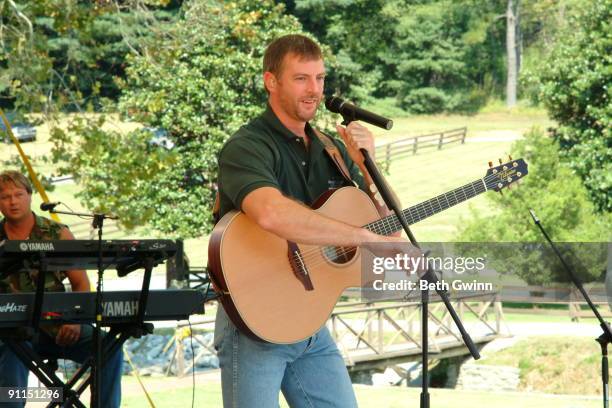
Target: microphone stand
97	353
606	337
430	276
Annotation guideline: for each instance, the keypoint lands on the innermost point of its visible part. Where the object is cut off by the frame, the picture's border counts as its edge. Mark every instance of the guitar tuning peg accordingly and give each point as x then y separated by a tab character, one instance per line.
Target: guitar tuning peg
501	192
490	164
500	161
510	157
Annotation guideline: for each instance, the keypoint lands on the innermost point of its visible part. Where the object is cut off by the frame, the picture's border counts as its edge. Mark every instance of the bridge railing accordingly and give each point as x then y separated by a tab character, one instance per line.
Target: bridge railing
368	331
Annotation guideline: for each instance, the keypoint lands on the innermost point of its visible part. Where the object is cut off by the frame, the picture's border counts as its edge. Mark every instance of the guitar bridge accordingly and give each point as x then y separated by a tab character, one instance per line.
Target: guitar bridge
298	266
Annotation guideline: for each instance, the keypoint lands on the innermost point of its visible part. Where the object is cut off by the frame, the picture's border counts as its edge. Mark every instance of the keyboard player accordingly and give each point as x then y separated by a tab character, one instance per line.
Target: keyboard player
67	341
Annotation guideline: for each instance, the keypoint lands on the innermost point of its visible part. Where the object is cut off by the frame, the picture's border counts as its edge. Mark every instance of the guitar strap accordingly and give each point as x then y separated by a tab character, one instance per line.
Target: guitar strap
334	155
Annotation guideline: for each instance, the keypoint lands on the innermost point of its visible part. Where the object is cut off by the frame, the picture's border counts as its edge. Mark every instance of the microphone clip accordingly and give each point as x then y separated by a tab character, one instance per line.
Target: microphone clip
49	206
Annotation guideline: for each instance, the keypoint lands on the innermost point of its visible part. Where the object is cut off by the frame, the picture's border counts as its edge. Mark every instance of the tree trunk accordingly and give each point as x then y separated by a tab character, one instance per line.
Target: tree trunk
511	53
519	40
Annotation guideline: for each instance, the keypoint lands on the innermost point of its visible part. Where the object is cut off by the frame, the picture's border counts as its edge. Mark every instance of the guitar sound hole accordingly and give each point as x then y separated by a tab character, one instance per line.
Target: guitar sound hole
339	255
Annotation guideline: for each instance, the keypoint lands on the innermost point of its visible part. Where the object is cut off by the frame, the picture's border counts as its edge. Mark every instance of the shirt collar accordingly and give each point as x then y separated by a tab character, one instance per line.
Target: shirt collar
274	122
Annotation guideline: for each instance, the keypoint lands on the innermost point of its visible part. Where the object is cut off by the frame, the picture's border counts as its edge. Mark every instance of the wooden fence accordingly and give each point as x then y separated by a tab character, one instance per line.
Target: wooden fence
413	144
560	295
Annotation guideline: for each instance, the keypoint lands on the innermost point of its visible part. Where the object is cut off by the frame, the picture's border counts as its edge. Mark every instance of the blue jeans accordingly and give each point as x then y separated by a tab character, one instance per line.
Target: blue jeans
14	374
310	373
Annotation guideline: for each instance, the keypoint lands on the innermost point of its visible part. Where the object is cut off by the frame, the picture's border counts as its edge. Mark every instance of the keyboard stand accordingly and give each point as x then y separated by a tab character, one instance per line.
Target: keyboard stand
40	292
112	343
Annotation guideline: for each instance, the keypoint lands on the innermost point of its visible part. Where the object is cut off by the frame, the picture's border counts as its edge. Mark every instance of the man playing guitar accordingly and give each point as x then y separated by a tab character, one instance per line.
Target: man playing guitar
270	170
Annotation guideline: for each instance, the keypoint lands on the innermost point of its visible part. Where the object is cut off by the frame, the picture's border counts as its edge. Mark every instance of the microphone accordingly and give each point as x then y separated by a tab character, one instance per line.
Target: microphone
49	206
351	112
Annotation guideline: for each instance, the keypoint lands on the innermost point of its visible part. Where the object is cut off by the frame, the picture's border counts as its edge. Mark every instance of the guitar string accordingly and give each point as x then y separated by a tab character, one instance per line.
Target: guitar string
310	254
422	211
391	224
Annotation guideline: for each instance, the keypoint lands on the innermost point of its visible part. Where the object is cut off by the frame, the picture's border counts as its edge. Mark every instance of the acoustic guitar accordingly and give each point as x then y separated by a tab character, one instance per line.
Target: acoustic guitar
283	292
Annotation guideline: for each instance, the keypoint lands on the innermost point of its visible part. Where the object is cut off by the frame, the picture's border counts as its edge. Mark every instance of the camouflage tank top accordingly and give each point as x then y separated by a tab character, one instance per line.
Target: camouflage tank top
25	280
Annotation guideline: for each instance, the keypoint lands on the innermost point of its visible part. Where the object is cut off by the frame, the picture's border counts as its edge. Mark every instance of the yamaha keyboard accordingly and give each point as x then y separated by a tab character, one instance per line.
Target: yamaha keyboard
117	306
123	255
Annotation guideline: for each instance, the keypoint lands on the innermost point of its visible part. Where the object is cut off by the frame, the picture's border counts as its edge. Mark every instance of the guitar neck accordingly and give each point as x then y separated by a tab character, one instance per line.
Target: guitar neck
416	213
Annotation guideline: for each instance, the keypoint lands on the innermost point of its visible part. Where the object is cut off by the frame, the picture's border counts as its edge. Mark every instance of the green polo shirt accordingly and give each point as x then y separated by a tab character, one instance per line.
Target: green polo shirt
264	153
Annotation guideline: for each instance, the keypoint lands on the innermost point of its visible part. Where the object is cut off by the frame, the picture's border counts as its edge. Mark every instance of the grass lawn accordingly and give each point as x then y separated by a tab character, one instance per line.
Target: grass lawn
554	364
208	395
494	121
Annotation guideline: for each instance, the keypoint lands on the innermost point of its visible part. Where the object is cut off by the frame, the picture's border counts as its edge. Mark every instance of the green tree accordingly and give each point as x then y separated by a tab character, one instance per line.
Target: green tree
65	54
357	31
434	55
577	91
200	81
427	57
424	54
559	199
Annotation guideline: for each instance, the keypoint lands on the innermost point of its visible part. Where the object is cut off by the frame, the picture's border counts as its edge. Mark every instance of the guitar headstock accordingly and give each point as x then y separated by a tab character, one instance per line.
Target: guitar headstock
500	177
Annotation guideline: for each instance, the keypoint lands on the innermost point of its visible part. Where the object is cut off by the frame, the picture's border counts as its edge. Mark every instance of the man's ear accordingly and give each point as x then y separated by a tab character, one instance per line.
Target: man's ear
270	81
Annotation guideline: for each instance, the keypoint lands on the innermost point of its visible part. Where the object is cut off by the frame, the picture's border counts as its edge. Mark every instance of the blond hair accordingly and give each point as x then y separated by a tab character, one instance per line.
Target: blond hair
15	177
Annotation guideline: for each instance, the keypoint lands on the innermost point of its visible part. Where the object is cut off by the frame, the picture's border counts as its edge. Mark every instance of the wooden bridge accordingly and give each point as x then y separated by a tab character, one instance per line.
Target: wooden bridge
377	335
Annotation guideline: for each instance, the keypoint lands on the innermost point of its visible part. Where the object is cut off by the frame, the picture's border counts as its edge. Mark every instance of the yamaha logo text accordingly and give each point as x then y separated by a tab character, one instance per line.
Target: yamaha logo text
36	246
120	308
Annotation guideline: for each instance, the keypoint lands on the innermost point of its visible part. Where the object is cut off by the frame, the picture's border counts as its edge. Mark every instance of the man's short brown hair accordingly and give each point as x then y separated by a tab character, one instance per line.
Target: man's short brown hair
15	177
297	44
